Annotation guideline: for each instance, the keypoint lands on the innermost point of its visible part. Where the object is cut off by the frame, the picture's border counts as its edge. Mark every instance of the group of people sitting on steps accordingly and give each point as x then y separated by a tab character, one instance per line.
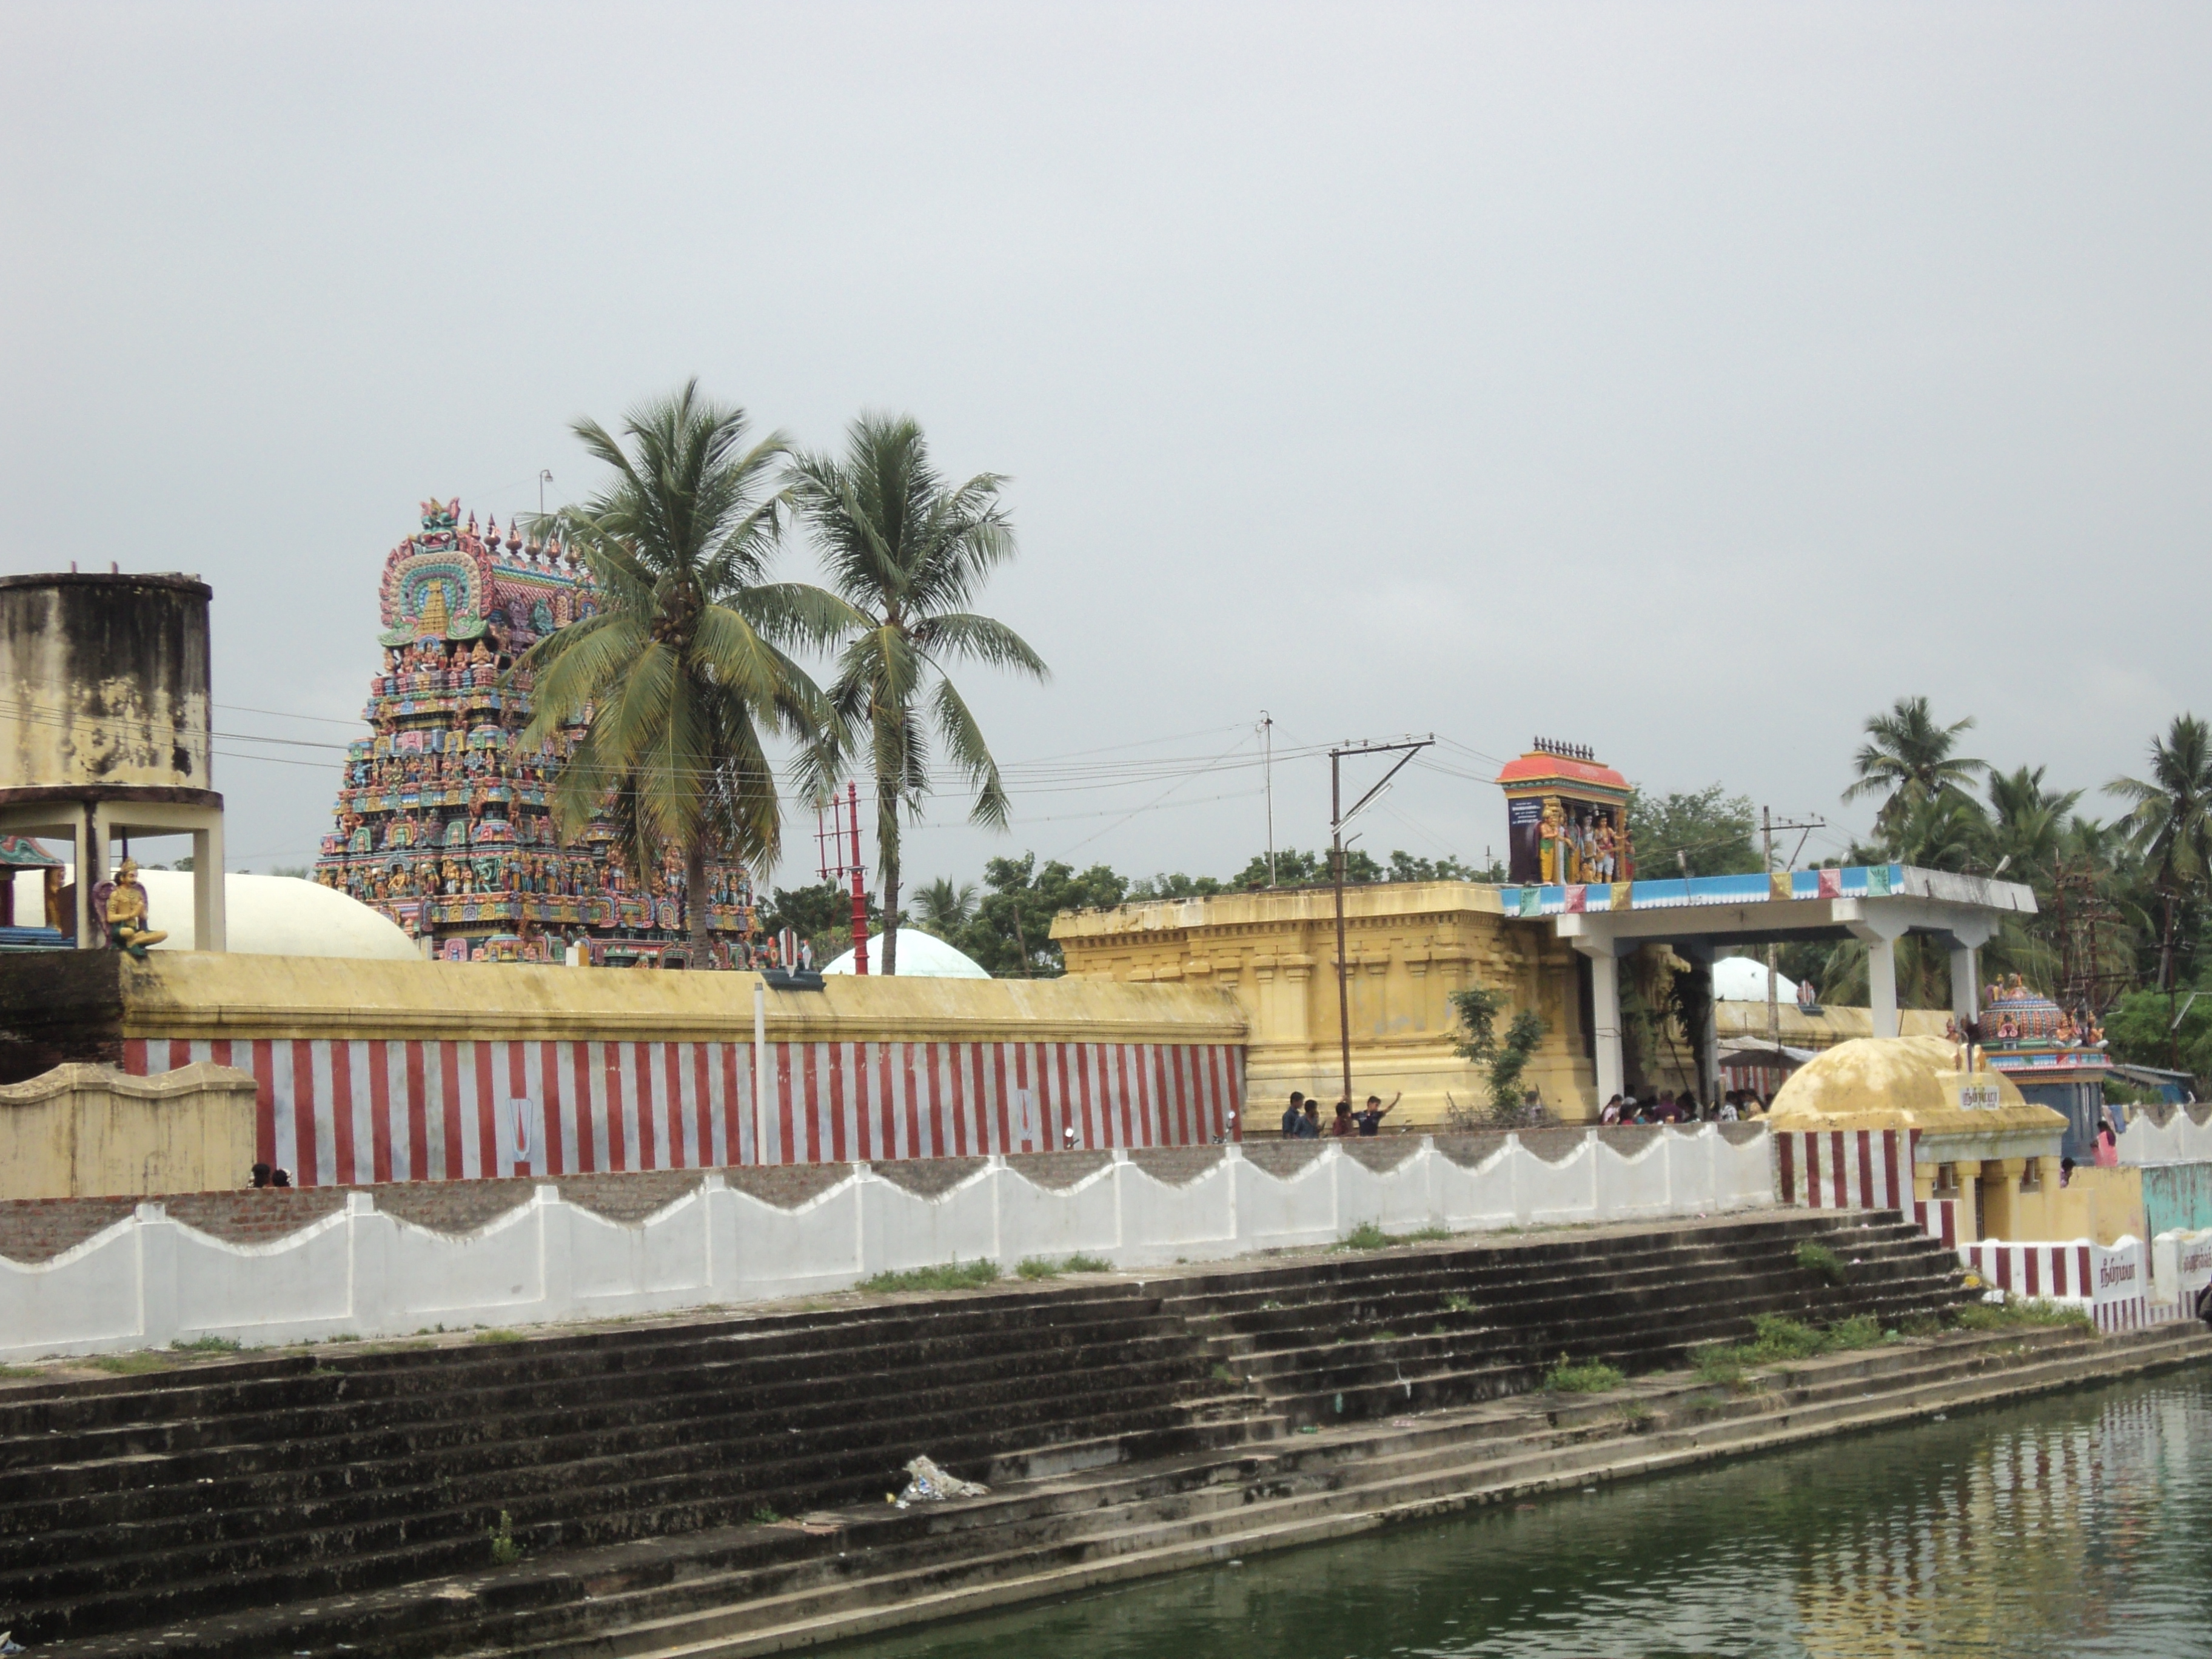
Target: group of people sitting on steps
1671	1108
1302	1118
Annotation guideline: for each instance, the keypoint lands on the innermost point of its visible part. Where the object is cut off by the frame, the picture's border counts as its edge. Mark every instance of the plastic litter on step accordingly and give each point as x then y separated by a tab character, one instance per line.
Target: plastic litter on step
931	1484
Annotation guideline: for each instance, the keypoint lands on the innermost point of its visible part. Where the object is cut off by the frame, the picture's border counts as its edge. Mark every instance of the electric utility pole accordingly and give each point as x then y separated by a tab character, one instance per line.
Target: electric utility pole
1337	819
1267	783
1767	826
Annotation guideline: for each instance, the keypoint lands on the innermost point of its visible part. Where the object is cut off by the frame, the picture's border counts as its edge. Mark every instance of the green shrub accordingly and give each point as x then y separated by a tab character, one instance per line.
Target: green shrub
1719	1366
496	1336
1592	1377
1777	1337
1043	1267
1859	1331
1634	1413
2022	1313
1777	1340
1223	1374
1369	1236
765	1514
951	1276
1457	1304
127	1364
1822	1262
505	1549
205	1345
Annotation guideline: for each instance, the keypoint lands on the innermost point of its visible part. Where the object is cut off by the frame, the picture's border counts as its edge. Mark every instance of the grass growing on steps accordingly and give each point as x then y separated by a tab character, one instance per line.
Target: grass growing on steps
128	1364
1822	1262
1367	1236
2021	1313
951	1276
1594	1376
205	1345
1043	1267
1777	1339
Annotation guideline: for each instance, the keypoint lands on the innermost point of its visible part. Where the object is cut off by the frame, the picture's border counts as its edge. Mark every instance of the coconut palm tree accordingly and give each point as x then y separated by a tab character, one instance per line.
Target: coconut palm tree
909	553
1944	831
944	910
682	670
2171	823
1907	759
2027	826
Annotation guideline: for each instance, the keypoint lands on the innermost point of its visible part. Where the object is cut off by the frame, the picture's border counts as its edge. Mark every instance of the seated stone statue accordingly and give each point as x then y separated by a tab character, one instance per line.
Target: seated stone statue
126	914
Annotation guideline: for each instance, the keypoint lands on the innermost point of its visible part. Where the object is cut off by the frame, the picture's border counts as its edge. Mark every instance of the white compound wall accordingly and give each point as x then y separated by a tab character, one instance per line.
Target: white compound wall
148	1280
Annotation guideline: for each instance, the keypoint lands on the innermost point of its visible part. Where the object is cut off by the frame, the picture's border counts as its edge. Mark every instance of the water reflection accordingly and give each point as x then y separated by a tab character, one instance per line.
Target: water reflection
2080	1525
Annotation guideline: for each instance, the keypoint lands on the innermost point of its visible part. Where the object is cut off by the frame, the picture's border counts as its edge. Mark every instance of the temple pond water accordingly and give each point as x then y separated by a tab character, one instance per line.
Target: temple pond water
2080	1524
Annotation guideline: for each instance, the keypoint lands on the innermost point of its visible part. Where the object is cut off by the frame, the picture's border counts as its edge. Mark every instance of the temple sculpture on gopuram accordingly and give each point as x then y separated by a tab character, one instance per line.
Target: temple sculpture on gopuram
441	819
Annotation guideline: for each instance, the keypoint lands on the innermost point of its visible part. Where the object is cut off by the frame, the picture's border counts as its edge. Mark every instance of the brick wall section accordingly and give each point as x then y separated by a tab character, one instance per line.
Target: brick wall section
254	1216
1283	1158
452	1206
1556	1145
928	1177
40	1229
629	1198
1381	1153
1471	1152
1058	1170
787	1186
1176	1166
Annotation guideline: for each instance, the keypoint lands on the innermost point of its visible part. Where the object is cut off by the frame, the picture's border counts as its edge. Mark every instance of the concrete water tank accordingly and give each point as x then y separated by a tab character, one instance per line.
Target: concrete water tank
104	682
104	715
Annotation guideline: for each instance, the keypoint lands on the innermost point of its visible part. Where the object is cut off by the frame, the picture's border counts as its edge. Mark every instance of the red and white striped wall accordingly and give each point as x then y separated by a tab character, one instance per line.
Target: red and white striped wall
345	1112
2110	1280
1859	1169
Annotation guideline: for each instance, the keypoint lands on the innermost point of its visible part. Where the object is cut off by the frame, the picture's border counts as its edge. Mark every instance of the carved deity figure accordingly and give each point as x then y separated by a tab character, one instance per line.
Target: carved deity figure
126	913
1552	844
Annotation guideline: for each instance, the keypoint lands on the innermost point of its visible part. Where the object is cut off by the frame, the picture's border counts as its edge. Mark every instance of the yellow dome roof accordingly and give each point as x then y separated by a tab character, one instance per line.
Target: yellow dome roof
1899	1083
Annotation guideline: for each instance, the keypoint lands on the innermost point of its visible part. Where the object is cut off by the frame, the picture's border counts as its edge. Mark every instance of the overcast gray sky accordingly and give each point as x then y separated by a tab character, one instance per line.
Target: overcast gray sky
1687	381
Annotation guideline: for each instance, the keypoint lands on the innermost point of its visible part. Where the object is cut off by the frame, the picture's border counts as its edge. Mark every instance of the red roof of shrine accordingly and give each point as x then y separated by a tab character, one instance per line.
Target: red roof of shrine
1537	767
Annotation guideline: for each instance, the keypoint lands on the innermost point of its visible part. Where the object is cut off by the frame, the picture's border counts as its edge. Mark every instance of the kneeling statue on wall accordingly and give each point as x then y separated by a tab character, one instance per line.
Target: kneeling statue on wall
126	914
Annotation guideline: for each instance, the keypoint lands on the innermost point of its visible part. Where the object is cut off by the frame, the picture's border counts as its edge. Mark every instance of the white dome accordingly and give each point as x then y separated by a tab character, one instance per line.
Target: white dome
1743	979
921	956
276	916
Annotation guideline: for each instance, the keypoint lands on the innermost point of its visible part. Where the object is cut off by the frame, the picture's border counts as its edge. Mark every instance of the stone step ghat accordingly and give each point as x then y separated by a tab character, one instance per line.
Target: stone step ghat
1365	1337
342	1500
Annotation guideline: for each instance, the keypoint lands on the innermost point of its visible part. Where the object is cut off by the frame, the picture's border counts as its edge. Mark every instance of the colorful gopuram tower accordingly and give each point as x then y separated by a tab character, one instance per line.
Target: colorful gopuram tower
441	819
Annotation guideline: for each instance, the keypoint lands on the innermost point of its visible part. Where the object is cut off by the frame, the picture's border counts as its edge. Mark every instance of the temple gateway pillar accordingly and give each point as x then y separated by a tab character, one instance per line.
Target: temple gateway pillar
1879	933
1604	956
1967	939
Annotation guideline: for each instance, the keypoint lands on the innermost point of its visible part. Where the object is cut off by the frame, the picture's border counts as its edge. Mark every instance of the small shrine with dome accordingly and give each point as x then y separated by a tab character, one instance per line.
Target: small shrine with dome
2056	1059
442	823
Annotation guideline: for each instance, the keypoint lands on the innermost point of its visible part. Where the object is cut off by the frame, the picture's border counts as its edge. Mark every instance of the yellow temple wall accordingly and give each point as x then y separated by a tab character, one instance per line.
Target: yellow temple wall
83	1131
1409	944
185	995
2102	1205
